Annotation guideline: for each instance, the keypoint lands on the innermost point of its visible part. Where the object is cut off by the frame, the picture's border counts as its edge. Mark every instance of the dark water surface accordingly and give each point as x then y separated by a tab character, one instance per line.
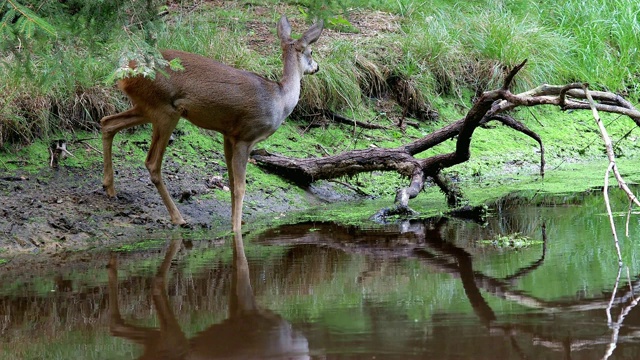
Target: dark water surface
415	290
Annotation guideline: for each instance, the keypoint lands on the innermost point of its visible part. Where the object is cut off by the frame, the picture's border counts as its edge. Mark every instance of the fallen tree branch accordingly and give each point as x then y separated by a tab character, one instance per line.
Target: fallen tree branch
518	126
490	106
612	167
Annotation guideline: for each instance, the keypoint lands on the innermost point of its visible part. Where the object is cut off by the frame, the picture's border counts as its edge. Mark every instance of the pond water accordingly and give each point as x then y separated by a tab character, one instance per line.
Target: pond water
413	290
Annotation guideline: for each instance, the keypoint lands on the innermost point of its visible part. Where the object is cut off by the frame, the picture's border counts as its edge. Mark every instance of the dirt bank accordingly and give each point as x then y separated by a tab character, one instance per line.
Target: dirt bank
67	209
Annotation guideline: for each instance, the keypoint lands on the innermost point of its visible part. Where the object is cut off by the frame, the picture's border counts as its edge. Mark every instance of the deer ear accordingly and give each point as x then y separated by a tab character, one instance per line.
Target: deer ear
284	29
310	36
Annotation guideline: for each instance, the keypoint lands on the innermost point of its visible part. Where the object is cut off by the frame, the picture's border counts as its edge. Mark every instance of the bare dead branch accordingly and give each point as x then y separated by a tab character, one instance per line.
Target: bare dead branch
512	74
490	106
452	193
612	167
610	154
563	93
415	186
518	126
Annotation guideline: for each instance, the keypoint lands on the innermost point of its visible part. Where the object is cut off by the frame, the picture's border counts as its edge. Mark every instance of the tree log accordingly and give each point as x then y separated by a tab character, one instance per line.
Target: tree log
490	106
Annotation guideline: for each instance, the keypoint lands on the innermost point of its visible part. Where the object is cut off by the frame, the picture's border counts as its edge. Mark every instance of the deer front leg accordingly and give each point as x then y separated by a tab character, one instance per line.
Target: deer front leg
117	326
237	155
111	125
228	158
242	299
159	140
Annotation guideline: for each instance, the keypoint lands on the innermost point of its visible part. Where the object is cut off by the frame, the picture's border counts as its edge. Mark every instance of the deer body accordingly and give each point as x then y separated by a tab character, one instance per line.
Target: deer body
234	114
245	107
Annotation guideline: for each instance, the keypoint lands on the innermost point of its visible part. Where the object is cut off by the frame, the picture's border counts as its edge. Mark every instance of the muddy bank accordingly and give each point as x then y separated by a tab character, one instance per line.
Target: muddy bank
66	208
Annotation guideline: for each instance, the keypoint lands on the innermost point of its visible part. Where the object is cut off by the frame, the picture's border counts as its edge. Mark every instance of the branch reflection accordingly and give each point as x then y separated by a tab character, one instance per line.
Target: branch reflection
426	241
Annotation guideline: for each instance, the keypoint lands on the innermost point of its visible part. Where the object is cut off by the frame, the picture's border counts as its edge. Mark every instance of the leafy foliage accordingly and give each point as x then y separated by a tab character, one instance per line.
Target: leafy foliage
19	20
79	26
55	53
333	12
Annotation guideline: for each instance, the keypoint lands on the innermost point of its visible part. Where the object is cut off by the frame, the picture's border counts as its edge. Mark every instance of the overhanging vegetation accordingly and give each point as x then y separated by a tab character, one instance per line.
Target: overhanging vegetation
376	49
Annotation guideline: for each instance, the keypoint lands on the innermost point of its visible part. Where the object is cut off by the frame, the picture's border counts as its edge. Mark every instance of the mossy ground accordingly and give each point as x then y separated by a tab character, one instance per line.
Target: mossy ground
502	162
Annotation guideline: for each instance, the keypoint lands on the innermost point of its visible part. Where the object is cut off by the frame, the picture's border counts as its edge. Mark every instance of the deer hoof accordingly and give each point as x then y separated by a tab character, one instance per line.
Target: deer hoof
110	190
178	221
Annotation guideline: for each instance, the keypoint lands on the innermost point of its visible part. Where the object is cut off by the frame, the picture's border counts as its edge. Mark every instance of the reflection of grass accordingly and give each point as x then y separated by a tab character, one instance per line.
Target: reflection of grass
141	245
513	241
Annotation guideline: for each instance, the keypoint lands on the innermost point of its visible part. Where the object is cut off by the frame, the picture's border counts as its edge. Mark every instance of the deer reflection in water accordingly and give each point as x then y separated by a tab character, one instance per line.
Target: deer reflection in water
249	332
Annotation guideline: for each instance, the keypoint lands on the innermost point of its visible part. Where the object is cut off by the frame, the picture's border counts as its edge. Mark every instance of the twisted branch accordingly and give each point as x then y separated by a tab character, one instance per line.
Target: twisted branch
491	106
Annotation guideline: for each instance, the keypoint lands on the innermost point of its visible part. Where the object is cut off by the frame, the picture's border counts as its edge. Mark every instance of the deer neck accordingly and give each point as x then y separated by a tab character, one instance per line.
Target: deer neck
290	83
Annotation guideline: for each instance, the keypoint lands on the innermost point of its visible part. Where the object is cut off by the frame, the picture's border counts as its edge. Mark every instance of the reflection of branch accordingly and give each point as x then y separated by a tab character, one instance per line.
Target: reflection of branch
424	241
431	252
605	194
528	269
464	268
615	326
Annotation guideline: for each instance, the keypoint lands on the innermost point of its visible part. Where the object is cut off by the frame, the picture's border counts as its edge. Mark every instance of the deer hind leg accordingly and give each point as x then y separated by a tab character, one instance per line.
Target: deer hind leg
114	309
117	325
111	125
162	129
237	154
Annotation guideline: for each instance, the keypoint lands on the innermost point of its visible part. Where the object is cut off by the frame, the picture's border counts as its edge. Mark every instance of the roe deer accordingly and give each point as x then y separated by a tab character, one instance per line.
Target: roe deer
245	107
249	332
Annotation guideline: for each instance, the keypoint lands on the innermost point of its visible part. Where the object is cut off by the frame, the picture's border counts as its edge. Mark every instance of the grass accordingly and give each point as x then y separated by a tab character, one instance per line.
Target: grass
441	46
141	245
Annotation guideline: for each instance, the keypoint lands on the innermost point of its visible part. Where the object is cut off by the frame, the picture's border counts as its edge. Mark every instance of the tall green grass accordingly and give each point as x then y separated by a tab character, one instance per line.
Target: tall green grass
604	35
442	48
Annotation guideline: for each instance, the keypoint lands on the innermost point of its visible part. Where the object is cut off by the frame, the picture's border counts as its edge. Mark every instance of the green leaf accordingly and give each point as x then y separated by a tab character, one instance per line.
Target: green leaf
176	65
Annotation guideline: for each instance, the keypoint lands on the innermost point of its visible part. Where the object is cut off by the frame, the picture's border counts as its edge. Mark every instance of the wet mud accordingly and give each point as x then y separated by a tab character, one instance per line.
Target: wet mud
66	209
47	218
